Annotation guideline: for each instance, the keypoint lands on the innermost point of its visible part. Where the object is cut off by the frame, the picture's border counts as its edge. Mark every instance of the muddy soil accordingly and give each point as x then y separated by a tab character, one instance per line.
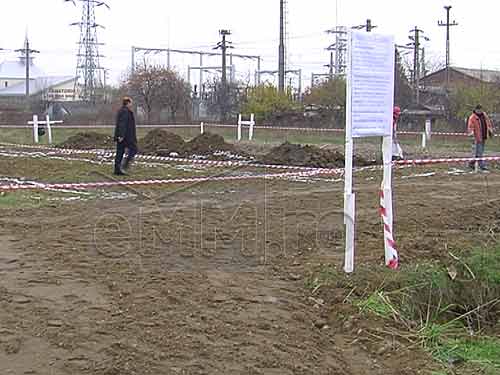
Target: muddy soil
309	156
210	279
161	142
88	141
207	144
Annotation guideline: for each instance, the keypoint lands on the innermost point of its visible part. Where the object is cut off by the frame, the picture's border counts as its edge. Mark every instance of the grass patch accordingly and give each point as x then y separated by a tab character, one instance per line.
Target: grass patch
481	353
377	303
448	308
485	264
32	199
326	275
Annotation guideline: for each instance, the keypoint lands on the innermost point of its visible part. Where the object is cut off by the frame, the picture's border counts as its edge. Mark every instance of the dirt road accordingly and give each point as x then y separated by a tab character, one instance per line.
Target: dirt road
211	279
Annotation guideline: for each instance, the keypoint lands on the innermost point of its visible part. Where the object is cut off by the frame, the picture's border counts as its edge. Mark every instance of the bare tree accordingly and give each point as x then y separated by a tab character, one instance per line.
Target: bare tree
176	94
156	88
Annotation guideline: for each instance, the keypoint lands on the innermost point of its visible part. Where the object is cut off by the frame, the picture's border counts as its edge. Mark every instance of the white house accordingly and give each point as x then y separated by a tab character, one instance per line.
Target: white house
49	88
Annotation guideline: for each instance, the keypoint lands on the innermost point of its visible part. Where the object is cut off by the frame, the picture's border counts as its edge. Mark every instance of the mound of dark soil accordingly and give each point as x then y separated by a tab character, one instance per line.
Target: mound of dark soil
207	144
161	142
308	156
88	141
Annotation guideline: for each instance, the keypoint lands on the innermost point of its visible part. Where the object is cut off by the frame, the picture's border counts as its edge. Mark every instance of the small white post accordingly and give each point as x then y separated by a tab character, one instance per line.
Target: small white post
424	140
239	128
35	128
202	128
49	129
252	124
428	129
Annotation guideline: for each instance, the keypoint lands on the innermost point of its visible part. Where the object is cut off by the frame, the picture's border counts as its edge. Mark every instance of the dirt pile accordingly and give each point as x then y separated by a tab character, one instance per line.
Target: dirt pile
161	142
308	156
88	141
207	144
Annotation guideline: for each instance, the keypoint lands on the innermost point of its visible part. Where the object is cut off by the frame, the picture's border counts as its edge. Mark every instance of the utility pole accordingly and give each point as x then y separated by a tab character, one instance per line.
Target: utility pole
223	45
366	26
369	26
447	25
415	38
281	59
26	52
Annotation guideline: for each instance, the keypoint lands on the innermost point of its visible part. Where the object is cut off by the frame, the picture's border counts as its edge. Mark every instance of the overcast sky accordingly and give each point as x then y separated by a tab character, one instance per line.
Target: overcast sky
194	24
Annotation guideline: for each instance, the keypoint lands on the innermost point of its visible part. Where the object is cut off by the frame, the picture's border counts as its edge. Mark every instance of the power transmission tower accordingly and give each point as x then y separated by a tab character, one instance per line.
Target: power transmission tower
340	47
224	45
27	58
88	68
447	25
281	57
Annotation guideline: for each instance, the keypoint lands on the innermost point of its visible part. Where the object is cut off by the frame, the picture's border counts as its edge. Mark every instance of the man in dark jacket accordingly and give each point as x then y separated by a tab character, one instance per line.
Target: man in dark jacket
125	136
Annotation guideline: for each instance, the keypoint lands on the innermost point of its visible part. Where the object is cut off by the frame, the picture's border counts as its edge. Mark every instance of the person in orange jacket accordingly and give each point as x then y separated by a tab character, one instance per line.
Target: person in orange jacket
481	127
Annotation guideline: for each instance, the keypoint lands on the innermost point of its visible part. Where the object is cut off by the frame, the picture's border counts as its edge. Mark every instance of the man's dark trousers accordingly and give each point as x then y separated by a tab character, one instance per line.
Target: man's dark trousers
120	152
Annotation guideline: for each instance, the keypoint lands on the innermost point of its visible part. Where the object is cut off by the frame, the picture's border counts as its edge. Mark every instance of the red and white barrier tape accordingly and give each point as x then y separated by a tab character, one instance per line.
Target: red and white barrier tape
445	160
214	163
388	235
93	185
280	128
250	163
443	134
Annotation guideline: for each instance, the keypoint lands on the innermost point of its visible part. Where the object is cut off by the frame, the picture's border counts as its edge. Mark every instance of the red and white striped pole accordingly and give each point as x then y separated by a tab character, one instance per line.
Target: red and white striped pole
392	257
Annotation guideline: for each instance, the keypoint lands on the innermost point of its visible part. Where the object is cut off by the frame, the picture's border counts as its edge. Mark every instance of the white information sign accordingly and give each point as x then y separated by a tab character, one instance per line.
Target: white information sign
371	81
369	110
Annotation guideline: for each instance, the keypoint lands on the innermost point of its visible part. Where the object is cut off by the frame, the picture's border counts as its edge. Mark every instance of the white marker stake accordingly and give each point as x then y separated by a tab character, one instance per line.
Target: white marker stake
239	128
35	128
428	129
202	128
424	140
49	129
252	124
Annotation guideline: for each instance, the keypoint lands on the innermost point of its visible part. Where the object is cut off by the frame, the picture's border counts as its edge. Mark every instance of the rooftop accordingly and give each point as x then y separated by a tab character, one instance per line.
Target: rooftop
485	75
17	70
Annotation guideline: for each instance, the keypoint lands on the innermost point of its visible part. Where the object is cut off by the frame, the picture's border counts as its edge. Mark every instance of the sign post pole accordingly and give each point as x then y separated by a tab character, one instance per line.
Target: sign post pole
349	197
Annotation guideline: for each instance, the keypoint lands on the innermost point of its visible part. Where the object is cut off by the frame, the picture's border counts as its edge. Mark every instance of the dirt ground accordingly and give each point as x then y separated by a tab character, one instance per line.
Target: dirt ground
210	278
